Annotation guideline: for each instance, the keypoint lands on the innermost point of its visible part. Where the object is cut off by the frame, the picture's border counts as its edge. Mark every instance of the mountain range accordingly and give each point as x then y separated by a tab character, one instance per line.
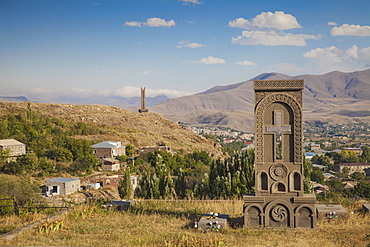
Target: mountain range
335	97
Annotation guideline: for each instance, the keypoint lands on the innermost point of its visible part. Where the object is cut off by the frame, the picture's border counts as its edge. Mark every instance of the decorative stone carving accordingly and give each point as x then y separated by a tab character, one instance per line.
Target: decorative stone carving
279	213
278	171
279	200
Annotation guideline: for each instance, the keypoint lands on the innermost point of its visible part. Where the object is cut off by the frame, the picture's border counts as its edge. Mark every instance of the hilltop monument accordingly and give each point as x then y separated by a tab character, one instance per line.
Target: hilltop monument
279	199
143	101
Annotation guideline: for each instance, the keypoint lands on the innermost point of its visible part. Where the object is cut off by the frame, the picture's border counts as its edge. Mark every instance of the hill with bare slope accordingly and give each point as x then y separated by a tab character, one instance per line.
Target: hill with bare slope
139	129
335	97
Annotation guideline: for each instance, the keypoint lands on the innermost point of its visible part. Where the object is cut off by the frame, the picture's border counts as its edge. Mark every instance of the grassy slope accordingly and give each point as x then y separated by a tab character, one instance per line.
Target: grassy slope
137	129
170	224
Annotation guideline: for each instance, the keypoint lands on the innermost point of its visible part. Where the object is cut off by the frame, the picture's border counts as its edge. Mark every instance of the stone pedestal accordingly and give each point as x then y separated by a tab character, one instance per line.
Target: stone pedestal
281	211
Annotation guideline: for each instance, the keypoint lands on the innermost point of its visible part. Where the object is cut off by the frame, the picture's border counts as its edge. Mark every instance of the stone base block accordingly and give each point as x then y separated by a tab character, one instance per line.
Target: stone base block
210	223
122	205
329	211
279	211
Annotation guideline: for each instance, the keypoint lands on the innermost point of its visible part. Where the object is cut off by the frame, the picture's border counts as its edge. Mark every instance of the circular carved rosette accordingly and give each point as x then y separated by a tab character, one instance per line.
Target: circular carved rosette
278	171
279	213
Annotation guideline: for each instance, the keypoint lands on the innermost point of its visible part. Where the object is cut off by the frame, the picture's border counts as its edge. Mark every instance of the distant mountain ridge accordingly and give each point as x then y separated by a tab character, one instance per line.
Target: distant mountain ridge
5	99
334	97
117	101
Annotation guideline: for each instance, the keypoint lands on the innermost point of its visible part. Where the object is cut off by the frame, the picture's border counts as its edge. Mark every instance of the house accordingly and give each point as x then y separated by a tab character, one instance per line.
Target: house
62	186
94	186
352	167
319	188
321	167
152	149
110	164
315	147
228	140
108	149
16	148
112	181
309	155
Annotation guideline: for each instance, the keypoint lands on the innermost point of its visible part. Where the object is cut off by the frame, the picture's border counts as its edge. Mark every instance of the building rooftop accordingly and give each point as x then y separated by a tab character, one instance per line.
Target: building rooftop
62	180
10	142
354	164
107	144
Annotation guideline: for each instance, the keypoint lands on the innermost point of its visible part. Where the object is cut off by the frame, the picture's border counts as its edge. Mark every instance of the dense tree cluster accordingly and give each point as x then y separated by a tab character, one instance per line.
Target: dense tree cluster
51	146
196	175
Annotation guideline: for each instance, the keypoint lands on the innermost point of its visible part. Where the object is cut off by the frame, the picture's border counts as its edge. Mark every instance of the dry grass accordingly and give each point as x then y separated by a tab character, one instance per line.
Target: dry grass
160	223
12	222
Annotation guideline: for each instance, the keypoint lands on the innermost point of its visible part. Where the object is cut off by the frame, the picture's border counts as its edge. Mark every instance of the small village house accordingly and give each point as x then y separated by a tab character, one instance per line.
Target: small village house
152	149
112	181
62	186
110	164
315	146
352	167
16	148
108	149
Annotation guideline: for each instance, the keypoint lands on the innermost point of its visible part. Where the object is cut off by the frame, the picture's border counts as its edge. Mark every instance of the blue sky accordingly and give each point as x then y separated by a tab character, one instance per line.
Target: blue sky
50	48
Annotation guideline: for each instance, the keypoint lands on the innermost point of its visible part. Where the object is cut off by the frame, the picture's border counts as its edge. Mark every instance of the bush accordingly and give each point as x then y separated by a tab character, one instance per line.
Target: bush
21	188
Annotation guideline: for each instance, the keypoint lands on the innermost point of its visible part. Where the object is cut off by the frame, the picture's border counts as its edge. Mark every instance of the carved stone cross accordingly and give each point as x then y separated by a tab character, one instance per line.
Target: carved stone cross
278	129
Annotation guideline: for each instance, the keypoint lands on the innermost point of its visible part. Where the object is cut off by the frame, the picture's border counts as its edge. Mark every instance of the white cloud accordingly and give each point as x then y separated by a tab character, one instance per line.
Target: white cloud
151	22
352	57
133	24
185	2
158	22
350	30
210	60
332	23
245	62
82	95
147	72
272	38
278	20
330	54
364	55
189	45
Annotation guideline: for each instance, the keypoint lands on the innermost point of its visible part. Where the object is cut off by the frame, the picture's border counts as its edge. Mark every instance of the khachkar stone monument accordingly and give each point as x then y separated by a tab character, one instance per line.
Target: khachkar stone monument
143	101
279	200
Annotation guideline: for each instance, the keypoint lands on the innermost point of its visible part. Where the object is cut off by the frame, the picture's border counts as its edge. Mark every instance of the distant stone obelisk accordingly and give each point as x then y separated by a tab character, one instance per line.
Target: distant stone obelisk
143	101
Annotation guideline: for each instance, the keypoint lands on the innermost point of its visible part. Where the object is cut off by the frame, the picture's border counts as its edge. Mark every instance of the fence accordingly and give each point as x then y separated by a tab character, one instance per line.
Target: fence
10	206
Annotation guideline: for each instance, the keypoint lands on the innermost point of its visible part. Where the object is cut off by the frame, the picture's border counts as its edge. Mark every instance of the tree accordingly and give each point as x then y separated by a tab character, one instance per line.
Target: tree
5	154
130	149
358	176
344	173
180	185
335	185
365	154
317	176
23	189
349	156
362	189
307	169
321	160
124	185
